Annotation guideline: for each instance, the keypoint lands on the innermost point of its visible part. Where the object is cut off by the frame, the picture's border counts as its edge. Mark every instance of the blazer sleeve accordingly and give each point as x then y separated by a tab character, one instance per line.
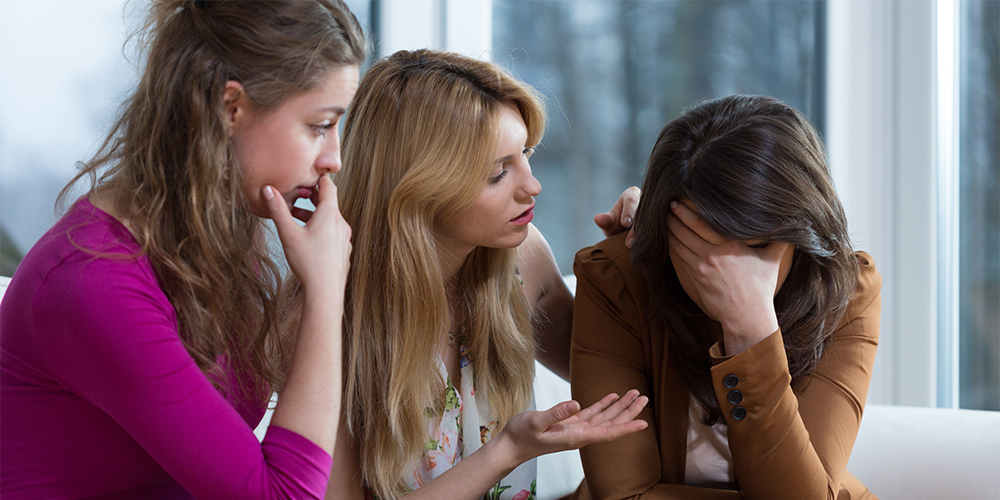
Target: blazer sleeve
796	446
608	355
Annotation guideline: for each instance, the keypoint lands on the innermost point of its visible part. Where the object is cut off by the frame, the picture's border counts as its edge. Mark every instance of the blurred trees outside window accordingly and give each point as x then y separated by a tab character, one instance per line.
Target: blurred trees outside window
979	205
613	73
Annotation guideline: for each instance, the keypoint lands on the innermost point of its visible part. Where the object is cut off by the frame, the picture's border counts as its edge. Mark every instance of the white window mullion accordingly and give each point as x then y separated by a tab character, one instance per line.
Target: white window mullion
860	141
913	229
462	26
468	27
409	24
947	204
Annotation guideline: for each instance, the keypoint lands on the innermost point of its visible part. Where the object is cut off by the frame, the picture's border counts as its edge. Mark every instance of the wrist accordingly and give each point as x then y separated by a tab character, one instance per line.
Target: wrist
323	295
505	452
745	331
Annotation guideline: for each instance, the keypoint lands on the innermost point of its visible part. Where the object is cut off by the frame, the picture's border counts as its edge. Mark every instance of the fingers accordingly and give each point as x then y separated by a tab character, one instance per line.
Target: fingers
598	407
621	215
325	194
630	239
615	410
612	432
686	243
775	251
629	204
278	212
631	411
301	214
605	221
688	257
694	222
558	413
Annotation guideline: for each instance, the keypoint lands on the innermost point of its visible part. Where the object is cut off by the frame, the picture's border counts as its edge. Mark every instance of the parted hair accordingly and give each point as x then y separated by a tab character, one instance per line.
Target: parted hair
419	143
756	169
170	164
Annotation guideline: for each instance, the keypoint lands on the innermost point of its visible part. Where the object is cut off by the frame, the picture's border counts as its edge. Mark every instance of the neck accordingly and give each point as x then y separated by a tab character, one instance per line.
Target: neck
452	256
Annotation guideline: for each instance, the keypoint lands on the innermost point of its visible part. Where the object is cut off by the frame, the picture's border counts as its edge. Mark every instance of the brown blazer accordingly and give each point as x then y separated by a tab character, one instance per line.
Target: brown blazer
790	445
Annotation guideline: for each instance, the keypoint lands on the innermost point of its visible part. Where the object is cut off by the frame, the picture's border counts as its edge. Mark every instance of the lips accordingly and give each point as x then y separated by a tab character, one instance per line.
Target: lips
304	192
525	217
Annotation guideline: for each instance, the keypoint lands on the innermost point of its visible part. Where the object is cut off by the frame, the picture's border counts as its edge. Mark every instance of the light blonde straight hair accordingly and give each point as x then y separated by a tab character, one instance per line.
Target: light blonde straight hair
419	143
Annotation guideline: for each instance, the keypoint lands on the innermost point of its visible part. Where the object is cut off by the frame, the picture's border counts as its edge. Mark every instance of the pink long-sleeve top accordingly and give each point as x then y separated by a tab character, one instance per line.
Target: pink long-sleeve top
100	398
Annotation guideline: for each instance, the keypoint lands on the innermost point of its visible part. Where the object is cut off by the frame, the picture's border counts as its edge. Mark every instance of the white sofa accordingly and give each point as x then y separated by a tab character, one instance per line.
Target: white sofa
903	453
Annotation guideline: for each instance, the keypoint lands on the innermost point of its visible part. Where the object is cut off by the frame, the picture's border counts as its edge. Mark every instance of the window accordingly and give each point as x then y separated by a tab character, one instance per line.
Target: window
979	205
63	72
614	73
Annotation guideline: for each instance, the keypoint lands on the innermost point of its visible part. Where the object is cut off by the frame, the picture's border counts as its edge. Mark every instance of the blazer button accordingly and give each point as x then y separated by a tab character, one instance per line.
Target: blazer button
730	381
739	413
735	396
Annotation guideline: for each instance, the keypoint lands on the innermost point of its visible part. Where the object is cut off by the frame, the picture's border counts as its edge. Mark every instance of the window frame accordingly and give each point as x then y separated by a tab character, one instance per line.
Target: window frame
895	168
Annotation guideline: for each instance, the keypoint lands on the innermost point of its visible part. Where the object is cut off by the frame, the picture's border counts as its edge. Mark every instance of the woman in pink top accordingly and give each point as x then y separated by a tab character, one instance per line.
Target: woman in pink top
139	336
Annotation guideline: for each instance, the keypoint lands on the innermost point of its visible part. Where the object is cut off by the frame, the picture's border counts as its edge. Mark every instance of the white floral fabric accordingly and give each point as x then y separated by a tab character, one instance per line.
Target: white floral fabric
464	426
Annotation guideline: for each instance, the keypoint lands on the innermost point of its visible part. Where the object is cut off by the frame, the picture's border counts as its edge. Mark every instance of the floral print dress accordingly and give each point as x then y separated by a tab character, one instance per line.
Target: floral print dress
464	426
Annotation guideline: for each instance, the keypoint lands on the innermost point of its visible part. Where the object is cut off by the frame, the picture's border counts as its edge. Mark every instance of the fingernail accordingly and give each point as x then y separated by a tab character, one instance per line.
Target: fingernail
674	205
628	221
268	193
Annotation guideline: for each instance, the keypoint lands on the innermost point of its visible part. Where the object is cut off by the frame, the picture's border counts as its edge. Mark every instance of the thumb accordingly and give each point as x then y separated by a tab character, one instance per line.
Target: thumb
605	221
775	251
559	412
278	211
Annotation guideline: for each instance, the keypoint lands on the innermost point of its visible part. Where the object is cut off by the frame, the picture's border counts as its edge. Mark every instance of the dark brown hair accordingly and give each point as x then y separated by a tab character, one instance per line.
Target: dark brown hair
171	168
755	169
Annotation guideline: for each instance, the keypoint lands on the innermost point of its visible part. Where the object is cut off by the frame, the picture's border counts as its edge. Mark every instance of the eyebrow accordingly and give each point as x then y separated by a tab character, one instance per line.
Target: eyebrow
505	159
335	109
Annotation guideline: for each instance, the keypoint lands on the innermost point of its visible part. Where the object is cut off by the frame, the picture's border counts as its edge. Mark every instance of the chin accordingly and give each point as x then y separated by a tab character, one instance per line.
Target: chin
517	240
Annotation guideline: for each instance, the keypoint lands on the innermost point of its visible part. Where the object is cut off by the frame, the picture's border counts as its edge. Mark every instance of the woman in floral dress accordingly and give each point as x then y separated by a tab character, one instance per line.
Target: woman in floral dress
452	292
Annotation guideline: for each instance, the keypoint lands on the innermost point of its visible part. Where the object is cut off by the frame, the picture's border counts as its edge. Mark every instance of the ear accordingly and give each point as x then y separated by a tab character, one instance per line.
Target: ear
237	104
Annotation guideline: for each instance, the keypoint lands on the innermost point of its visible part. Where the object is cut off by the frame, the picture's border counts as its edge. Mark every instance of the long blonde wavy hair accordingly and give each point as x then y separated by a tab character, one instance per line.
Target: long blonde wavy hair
169	163
419	143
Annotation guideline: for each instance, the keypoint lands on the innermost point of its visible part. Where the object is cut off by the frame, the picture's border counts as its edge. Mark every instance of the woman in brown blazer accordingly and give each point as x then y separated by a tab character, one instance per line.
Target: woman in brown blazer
741	311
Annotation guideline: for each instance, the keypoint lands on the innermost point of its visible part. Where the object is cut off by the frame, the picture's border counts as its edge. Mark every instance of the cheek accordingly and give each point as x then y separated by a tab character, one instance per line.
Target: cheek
685	279
785	267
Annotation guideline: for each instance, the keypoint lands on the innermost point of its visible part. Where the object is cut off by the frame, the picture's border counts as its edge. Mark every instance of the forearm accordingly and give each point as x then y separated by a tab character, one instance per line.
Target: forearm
475	474
767	423
345	478
310	402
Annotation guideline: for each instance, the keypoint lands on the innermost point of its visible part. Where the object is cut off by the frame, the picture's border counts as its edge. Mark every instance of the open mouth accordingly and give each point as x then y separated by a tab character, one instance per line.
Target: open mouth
525	217
304	192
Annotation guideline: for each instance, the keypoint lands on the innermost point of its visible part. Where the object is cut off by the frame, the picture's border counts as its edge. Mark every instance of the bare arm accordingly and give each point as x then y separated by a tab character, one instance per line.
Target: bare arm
526	436
319	255
345	478
550	300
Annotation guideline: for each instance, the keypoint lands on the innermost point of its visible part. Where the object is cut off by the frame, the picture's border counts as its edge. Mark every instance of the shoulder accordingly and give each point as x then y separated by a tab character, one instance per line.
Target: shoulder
88	269
865	305
868	290
534	248
608	265
869	280
536	265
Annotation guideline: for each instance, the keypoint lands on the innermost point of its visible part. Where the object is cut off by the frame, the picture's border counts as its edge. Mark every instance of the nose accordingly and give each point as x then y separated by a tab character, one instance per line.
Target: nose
530	186
328	161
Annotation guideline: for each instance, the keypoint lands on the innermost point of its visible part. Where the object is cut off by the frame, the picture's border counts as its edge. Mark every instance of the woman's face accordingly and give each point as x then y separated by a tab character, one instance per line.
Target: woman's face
500	215
687	282
291	146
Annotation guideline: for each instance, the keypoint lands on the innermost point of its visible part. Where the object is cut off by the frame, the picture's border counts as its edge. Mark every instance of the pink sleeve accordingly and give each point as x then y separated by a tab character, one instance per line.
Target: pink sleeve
110	337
